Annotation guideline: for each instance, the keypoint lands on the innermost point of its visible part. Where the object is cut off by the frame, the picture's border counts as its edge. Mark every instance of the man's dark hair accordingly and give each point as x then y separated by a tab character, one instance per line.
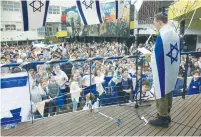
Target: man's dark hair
195	71
161	17
124	70
145	83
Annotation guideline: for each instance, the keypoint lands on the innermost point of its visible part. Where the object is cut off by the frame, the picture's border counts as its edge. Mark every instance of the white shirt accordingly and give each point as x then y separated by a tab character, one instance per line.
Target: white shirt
199	64
99	80
60	78
75	90
19	60
86	80
149	95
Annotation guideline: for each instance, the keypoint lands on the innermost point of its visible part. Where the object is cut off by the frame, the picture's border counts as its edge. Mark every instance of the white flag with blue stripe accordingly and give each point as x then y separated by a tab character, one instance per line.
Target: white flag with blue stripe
90	11
119	8
137	3
165	61
34	13
15	98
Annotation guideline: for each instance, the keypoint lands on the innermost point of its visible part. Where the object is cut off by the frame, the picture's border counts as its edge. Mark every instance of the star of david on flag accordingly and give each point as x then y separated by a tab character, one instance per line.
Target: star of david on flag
35	5
88	5
34	13
173	57
165	61
89	11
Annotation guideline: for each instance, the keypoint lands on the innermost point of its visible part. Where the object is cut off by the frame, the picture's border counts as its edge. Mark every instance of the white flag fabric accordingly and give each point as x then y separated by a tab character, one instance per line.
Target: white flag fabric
15	96
138	4
40	107
165	61
90	11
34	13
119	8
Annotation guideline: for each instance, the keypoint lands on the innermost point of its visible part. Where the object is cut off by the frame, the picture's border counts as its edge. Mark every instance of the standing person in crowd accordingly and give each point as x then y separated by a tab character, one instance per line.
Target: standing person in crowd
46	54
39	74
35	98
196	67
99	78
53	91
75	91
45	97
165	63
61	78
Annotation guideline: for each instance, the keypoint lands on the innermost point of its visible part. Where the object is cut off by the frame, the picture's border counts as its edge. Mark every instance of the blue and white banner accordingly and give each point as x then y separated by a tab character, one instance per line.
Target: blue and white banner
34	13
165	61
15	98
137	3
90	11
119	8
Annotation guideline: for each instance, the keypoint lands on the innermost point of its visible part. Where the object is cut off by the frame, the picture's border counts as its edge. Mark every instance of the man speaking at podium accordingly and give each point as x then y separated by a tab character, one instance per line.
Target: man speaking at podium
165	61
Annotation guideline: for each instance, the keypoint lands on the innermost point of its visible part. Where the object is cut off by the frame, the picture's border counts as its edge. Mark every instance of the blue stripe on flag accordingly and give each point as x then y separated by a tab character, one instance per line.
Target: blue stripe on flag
25	15
15	119
81	12
159	51
98	11
117	9
46	9
14	82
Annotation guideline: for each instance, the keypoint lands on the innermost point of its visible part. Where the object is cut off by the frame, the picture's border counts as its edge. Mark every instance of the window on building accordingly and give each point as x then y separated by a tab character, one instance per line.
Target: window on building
41	31
63	26
63	9
10	6
10	27
54	10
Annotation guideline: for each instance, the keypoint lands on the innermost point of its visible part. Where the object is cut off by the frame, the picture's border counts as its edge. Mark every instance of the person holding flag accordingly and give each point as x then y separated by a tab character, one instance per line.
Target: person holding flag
165	61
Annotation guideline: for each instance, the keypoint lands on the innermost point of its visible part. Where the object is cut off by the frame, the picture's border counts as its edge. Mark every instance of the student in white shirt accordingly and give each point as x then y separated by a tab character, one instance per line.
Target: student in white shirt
61	78
99	79
147	93
75	91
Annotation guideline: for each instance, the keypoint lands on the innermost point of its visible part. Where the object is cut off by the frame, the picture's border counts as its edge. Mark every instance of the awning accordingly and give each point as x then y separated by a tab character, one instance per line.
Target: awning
184	8
61	34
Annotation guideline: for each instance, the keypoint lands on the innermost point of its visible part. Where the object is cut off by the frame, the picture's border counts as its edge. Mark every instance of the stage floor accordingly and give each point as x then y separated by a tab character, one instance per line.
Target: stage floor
186	120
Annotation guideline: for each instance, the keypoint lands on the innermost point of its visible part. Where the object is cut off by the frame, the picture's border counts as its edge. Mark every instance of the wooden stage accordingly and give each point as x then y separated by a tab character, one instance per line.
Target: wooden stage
186	120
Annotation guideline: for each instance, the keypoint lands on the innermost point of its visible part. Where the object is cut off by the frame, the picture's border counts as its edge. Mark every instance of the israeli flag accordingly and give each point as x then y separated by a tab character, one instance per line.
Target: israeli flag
90	11
119	8
34	13
15	98
137	4
165	61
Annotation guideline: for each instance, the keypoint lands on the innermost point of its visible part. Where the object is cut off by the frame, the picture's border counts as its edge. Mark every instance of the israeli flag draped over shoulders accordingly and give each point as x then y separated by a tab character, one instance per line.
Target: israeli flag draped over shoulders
89	11
119	8
34	13
15	98
165	61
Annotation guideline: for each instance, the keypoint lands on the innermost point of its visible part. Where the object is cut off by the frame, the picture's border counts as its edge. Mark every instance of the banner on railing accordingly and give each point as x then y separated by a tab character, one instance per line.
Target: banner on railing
15	98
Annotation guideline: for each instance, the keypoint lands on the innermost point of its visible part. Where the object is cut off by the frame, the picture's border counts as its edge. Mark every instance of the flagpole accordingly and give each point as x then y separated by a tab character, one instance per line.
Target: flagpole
30	94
